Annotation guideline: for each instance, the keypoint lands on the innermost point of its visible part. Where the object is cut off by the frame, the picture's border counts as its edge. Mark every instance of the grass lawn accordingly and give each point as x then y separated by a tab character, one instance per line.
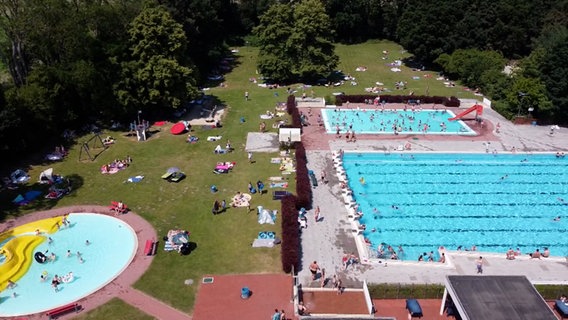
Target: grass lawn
109	311
223	241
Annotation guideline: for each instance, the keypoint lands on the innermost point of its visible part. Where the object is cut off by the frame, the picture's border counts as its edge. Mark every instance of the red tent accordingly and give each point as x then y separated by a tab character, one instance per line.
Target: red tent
178	128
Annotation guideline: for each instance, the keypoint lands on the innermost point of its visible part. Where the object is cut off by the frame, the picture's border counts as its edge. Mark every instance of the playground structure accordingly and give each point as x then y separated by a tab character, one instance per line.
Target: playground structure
478	112
92	148
140	128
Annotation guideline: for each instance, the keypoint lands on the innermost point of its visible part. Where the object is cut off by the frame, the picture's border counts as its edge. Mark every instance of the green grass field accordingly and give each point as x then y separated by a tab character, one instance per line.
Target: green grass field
223	241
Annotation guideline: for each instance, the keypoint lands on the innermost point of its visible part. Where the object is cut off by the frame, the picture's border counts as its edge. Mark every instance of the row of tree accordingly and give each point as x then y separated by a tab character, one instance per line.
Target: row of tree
73	62
469	40
77	61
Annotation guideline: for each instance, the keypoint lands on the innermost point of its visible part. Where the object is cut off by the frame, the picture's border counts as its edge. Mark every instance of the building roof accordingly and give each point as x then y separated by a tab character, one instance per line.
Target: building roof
496	298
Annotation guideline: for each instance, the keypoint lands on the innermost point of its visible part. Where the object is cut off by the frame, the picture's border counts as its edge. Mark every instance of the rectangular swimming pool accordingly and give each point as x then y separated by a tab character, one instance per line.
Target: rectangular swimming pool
493	202
387	121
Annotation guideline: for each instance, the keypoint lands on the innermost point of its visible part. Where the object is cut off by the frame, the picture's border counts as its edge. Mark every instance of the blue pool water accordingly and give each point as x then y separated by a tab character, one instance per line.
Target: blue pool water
113	244
491	201
385	121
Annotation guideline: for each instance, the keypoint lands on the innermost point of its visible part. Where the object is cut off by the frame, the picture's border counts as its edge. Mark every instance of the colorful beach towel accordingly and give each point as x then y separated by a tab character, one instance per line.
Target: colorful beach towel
279	185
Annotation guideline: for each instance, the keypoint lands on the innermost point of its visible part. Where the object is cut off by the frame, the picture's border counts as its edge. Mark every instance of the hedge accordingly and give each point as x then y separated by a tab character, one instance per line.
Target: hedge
291	249
445	101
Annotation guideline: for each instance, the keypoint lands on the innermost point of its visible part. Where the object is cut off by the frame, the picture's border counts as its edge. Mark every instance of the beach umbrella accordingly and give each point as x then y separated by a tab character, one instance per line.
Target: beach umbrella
178	128
173	170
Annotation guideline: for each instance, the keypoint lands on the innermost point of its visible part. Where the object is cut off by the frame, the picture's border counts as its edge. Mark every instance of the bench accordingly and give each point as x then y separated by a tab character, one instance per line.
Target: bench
114	207
562	308
55	313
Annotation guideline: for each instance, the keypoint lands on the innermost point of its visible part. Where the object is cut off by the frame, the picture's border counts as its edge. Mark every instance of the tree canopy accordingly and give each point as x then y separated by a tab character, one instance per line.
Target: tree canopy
295	42
155	75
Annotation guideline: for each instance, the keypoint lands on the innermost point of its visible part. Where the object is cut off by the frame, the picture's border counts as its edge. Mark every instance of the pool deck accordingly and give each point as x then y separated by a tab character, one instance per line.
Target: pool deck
328	240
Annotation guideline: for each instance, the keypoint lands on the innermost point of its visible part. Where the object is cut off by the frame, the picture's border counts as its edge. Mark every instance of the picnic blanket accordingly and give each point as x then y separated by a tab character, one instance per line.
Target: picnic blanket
276	179
259	243
135	179
214	138
276	160
279	185
242	200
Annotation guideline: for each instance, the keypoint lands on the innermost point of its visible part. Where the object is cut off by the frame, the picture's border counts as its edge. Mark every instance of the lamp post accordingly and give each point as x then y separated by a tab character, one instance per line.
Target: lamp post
522	95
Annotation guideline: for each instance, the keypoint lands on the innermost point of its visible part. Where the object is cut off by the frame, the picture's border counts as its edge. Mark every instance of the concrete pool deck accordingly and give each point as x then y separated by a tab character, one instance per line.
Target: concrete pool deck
328	240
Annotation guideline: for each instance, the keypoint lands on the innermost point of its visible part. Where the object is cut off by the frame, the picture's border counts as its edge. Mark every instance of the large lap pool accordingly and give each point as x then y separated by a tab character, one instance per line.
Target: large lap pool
387	121
495	202
112	246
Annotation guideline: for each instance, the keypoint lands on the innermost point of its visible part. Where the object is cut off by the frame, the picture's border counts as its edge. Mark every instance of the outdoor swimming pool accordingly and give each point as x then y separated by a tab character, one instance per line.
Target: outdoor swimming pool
112	247
494	202
385	121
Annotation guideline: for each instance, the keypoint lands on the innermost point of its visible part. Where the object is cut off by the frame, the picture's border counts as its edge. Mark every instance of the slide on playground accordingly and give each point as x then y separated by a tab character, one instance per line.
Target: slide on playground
477	108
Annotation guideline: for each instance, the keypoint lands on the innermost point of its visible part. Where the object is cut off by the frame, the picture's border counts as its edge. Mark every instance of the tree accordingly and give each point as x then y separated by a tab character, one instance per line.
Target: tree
295	43
155	74
469	65
275	55
208	26
553	71
311	38
528	93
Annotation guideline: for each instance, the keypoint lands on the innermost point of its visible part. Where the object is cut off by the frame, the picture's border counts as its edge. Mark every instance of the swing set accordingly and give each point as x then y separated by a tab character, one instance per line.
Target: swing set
92	148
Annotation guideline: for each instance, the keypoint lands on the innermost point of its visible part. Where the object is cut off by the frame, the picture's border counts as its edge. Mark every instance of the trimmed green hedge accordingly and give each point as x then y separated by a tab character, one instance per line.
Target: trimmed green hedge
436	291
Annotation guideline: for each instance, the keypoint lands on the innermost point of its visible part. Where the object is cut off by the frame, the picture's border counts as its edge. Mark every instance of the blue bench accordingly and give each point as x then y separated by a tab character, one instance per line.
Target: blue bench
414	308
562	308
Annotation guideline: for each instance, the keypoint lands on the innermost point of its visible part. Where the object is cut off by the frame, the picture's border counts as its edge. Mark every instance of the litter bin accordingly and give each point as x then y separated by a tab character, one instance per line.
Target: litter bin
245	292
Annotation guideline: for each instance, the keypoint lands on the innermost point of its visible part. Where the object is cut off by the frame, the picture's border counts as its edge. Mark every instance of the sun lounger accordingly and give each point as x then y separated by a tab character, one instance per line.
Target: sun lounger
313	178
278	195
114	207
562	308
414	308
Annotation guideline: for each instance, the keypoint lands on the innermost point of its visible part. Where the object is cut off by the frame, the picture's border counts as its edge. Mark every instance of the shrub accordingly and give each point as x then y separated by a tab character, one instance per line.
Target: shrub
291	104
303	183
290	251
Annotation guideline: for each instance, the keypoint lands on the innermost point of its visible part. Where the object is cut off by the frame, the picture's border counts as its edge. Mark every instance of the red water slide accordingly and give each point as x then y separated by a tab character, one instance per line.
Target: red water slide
477	108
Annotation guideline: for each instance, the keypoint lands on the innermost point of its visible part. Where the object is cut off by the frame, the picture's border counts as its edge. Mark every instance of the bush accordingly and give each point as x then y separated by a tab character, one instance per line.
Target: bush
290	251
403	291
303	186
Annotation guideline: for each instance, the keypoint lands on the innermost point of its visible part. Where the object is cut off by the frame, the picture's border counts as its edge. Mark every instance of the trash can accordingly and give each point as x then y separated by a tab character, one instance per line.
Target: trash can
245	292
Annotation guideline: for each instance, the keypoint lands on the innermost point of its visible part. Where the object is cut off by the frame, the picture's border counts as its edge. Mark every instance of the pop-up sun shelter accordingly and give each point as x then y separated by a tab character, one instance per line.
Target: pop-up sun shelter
176	239
46	176
19	177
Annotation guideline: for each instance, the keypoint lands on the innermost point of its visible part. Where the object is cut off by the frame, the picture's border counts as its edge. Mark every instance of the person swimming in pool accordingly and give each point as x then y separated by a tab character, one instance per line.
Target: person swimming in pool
556	219
362	180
